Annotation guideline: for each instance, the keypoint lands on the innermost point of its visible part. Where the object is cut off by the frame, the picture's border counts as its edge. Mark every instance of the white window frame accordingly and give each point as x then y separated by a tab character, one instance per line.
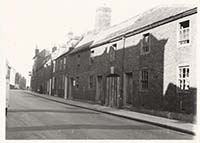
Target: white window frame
178	33
180	78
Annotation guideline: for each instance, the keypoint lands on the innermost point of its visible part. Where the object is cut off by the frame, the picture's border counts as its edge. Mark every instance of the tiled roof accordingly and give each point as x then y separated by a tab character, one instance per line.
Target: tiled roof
58	53
147	18
85	42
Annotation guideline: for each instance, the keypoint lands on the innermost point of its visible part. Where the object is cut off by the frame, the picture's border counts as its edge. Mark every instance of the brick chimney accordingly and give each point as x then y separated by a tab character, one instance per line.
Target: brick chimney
103	18
36	52
54	49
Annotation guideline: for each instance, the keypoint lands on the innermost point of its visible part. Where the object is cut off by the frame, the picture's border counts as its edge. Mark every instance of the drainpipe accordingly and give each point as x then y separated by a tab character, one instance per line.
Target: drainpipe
122	81
51	77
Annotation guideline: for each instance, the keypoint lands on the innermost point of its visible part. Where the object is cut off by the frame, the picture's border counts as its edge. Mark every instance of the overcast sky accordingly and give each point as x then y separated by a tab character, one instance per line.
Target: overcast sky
27	23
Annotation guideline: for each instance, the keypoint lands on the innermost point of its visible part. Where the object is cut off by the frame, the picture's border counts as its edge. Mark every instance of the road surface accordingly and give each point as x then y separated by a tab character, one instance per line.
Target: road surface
32	117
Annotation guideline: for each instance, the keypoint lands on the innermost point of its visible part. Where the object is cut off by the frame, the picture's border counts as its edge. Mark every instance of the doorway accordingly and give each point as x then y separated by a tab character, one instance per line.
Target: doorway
128	88
66	88
70	87
112	91
99	88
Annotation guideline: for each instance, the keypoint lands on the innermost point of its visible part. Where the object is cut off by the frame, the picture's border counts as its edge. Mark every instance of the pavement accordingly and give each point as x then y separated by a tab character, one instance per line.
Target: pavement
176	125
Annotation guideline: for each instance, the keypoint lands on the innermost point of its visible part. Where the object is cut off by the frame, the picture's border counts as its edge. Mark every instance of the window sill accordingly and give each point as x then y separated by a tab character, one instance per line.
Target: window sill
146	53
183	45
183	91
144	90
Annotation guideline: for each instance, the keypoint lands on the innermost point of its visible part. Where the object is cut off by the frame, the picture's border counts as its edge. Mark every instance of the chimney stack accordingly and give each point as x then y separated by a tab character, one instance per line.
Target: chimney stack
103	18
54	49
36	52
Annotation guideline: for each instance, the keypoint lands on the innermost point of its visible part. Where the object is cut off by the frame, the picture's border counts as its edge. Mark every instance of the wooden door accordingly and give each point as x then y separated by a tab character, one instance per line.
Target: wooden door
112	91
128	88
99	89
66	88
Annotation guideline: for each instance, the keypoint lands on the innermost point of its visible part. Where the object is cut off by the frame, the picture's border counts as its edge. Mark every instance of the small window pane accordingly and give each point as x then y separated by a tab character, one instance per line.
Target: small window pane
184	82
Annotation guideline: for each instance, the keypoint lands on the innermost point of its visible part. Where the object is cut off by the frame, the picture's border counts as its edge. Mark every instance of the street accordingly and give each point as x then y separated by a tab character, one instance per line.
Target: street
32	117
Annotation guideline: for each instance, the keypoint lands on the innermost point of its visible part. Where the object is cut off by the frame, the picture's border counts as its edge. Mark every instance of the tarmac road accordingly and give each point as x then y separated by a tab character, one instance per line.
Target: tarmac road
32	117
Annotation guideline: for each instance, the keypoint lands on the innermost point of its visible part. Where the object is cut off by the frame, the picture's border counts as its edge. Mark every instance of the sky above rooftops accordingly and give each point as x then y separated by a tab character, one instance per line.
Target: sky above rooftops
27	23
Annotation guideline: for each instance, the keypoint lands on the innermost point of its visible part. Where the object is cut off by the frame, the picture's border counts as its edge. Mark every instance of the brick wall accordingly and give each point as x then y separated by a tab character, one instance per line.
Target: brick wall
161	62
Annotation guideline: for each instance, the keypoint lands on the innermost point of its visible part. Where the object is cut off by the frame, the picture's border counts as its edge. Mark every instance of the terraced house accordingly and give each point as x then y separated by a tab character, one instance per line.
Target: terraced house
148	61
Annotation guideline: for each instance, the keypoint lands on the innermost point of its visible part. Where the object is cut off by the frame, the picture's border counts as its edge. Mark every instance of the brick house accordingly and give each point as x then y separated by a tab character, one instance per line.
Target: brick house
40	71
61	67
147	61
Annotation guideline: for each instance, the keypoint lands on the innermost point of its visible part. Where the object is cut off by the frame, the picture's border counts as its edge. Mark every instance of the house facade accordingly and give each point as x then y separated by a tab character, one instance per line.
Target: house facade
148	61
41	72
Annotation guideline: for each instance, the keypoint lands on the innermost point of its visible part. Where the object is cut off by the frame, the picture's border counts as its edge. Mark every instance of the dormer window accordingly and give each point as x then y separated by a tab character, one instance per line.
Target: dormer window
78	60
145	48
112	52
184	32
91	60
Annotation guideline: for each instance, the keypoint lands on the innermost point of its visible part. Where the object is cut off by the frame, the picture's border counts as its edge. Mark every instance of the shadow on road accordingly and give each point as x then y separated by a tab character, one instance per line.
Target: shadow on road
83	126
50	110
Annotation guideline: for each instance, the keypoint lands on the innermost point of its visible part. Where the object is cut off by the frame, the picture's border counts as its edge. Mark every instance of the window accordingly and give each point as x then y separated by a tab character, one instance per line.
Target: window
64	65
58	82
91	60
90	81
183	80
144	79
112	52
79	60
64	60
73	82
145	44
63	81
61	64
54	66
77	81
184	29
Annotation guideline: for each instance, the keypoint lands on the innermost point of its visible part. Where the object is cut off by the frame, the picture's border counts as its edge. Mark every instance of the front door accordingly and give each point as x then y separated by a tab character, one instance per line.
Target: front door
70	88
112	91
128	88
99	89
66	87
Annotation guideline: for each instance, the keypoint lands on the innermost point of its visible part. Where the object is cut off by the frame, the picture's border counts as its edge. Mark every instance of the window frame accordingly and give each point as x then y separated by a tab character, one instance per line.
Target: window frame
54	66
182	66
142	43
91	58
77	82
141	79
64	63
178	33
61	63
90	81
78	60
112	54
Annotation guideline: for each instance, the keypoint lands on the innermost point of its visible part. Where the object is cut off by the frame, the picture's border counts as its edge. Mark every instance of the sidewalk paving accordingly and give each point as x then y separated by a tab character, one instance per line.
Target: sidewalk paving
155	120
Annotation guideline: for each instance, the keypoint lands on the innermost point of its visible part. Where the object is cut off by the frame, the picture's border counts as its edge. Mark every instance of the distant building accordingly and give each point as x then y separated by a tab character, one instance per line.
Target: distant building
38	78
12	77
20	81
